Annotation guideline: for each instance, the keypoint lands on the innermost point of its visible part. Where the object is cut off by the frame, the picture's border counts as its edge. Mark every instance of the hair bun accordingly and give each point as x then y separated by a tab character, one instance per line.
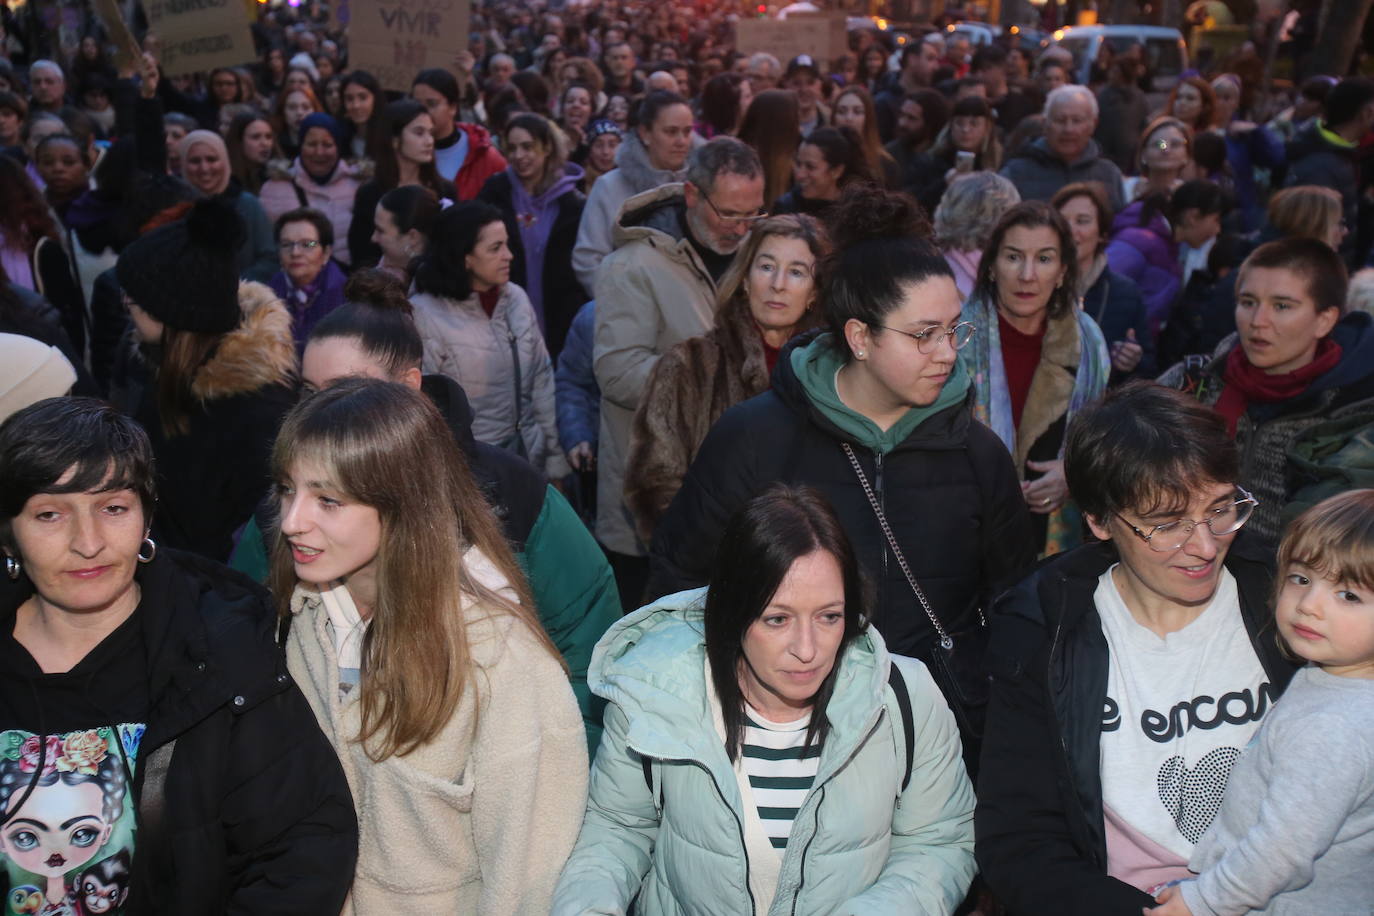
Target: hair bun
213	223
377	288
866	212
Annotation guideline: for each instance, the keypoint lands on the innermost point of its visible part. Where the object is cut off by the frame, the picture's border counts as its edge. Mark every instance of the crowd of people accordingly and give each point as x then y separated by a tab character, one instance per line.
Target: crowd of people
623	472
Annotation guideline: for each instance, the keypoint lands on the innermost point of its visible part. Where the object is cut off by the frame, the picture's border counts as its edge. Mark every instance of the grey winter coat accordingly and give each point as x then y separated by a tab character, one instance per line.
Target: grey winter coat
1039	173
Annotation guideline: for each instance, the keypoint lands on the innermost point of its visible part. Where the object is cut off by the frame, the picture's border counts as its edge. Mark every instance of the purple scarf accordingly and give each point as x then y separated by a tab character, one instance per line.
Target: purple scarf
534	218
308	304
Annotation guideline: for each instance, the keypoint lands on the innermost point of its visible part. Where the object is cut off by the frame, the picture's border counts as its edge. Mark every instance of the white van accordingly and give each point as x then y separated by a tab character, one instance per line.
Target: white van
1166	54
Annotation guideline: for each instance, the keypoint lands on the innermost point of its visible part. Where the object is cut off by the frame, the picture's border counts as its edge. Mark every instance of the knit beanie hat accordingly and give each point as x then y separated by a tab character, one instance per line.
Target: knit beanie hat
327	122
186	274
30	371
603	126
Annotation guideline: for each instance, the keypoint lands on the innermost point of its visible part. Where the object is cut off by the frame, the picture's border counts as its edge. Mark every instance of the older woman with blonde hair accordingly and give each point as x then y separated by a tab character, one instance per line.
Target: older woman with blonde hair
967	213
766	297
1163	157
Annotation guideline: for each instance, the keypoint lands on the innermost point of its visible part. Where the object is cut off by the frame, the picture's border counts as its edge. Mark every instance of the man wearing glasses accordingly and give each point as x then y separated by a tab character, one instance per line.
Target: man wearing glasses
673	245
1128	675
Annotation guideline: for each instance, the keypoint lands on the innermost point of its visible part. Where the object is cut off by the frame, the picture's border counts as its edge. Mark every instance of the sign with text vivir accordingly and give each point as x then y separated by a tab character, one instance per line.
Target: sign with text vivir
396	39
198	35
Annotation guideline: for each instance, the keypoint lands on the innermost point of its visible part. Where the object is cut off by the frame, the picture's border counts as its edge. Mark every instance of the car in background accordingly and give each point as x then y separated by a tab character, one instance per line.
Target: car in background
985	33
1166	53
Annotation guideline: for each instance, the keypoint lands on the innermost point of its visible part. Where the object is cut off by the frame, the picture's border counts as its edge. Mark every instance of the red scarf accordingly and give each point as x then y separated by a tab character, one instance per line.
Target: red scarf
488	299
1245	384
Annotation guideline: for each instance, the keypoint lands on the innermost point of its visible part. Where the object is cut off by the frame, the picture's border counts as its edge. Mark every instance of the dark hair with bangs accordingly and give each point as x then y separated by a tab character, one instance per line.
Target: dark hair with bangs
881	246
1146	449
760	544
104	449
1334	539
1328	281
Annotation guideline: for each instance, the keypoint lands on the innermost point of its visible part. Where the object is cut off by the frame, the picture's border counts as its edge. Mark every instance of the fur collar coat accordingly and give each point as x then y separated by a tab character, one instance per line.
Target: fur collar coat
691	386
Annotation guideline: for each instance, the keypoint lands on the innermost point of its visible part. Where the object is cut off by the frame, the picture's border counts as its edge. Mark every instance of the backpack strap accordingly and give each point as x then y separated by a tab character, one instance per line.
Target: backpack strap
898	685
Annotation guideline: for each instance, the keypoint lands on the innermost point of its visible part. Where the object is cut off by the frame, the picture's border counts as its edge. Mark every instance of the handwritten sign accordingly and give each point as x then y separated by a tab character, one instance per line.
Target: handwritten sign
395	39
198	35
824	37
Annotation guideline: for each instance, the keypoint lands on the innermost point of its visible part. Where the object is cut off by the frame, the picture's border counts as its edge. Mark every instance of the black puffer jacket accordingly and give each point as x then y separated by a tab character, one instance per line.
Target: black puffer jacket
1041	836
254	814
949	491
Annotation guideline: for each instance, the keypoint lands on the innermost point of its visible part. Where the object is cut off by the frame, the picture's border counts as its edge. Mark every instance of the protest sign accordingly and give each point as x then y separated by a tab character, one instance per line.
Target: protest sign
823	36
197	35
127	51
395	39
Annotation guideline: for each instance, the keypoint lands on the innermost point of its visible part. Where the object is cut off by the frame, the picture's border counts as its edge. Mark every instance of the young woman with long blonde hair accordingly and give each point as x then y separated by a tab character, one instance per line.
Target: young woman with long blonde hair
410	628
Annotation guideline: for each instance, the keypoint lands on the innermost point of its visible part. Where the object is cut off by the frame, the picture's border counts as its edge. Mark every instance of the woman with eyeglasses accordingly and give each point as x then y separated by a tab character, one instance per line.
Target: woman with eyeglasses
1039	359
767	297
874	411
309	282
1295	383
1127	675
1164	156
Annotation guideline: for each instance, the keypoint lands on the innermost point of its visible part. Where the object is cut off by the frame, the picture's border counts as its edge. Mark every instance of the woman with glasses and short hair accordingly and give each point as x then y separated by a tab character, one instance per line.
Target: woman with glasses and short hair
874	411
1037	360
767	297
1163	157
1128	675
309	282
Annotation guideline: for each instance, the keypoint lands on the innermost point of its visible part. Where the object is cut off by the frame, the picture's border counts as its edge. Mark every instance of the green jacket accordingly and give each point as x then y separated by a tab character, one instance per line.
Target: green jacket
859	844
572	584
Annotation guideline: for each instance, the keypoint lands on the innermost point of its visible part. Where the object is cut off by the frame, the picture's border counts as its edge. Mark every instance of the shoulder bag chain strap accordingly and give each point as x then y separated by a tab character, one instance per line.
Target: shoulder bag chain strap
946	641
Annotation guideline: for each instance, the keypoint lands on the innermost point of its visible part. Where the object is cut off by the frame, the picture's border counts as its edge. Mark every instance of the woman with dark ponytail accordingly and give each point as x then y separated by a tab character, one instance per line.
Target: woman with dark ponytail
875	412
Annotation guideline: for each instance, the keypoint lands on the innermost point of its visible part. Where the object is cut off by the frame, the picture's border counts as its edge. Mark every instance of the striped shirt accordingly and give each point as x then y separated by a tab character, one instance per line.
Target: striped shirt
780	770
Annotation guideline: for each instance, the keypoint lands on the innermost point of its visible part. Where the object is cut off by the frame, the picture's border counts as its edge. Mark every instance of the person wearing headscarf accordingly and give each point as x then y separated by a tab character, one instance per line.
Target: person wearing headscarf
205	165
319	178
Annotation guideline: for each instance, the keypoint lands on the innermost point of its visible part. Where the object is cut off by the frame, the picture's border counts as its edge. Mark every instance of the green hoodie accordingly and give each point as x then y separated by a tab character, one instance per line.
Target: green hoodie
816	364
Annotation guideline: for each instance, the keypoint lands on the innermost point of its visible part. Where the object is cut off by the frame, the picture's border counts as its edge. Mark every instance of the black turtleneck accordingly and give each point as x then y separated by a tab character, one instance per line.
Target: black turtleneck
716	264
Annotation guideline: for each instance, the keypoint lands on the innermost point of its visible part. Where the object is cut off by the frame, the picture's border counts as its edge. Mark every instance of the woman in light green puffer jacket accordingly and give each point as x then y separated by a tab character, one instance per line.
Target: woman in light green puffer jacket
886	825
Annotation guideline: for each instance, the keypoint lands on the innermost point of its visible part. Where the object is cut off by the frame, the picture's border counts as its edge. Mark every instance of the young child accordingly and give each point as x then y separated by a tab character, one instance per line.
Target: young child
1295	833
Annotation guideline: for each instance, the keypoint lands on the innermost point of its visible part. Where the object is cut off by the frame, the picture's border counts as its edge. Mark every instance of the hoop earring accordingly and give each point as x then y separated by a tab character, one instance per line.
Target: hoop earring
13	567
152	551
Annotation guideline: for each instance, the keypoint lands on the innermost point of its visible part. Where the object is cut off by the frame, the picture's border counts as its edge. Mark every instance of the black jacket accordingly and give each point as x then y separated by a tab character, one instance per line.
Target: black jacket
949	491
512	488
563	293
255	814
1041	837
1313	160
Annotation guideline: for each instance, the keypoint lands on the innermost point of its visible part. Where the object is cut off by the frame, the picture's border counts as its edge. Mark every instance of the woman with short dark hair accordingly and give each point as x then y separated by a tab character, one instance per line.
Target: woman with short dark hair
761	744
147	710
828	160
480	330
1127	675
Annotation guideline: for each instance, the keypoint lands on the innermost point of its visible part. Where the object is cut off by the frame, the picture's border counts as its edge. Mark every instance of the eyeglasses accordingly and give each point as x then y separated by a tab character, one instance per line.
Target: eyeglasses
307	245
929	340
1171	536
734	220
1165	145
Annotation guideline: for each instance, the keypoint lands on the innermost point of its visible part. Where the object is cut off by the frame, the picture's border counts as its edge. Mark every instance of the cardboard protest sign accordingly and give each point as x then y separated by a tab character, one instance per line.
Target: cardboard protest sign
395	39
824	37
127	51
200	35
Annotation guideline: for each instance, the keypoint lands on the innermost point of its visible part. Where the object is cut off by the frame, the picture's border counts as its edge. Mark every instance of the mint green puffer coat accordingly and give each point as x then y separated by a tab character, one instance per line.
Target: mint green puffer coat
859	846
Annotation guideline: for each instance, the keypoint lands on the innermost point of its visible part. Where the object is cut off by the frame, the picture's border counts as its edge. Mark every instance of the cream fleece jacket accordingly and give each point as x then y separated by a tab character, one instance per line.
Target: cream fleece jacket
475	822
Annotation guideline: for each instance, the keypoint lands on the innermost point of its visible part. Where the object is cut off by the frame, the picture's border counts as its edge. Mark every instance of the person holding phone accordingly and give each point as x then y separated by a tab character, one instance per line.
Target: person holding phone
968	143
